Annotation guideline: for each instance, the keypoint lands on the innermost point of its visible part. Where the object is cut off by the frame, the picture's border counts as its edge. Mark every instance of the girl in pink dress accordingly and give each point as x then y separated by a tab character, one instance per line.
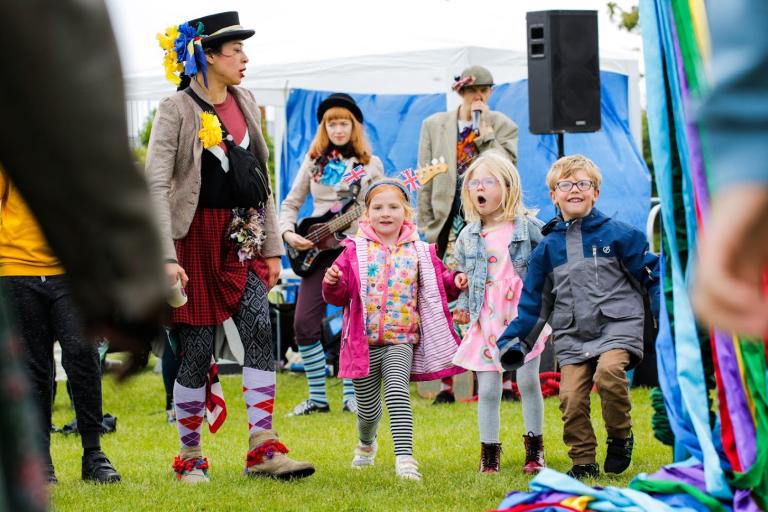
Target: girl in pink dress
493	250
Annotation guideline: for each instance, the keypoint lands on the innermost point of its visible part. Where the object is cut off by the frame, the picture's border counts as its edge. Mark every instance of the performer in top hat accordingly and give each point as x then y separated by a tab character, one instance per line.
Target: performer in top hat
224	249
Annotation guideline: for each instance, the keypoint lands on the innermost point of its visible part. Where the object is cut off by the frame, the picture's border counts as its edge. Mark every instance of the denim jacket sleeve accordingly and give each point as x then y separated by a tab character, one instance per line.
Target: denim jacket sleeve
459	252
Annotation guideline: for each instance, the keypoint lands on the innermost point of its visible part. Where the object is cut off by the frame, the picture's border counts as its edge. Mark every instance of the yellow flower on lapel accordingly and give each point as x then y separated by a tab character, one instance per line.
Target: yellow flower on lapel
210	134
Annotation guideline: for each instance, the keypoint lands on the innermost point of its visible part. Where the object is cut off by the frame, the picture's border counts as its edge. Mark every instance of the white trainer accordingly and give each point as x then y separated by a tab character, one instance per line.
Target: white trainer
407	468
364	455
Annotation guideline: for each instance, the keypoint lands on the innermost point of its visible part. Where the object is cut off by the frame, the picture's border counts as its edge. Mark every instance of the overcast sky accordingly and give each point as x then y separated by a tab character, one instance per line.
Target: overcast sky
305	30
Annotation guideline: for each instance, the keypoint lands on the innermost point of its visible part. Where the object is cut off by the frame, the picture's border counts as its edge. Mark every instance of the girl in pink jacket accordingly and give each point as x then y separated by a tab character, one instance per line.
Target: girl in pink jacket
397	327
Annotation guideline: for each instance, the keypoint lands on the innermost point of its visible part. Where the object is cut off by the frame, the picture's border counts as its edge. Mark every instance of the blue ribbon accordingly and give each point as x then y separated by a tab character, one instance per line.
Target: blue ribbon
189	49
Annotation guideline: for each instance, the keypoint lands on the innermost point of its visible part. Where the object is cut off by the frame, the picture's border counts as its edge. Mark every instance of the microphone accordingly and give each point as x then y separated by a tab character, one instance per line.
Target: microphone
476	121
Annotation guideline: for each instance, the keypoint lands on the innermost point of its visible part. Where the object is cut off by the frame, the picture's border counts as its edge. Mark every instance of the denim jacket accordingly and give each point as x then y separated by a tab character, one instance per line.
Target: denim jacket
470	253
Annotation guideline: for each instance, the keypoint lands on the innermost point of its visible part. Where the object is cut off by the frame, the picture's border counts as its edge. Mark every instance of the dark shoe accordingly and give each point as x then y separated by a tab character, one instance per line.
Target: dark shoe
50	474
582	471
490	457
444	397
534	453
97	468
619	454
308	407
508	395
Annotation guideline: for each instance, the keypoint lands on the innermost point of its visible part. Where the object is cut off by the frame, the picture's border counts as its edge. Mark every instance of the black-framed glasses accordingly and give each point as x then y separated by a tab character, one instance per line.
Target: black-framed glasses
567	186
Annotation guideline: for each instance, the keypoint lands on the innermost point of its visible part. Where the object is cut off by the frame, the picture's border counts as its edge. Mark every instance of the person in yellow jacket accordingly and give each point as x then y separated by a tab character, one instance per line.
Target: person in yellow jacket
44	312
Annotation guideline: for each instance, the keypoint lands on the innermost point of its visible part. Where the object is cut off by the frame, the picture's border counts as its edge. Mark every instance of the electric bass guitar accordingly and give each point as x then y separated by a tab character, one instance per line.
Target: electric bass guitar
325	230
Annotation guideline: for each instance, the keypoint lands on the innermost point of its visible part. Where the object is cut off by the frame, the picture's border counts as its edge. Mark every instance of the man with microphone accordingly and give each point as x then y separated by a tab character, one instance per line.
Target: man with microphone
458	136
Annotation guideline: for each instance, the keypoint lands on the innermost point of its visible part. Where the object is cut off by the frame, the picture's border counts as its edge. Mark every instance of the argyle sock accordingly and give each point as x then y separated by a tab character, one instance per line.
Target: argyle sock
349	391
314	367
259	395
189	404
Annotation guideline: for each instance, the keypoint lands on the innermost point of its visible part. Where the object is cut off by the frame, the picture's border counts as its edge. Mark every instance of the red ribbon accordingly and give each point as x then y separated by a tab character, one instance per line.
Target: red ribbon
266	449
181	466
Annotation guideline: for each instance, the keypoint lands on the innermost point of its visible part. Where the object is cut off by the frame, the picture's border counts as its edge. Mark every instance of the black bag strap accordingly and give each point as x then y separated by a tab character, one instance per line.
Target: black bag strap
208	108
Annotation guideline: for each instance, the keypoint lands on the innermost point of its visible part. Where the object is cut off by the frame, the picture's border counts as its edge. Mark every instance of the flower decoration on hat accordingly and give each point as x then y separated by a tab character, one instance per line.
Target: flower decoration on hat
173	67
210	132
183	52
459	82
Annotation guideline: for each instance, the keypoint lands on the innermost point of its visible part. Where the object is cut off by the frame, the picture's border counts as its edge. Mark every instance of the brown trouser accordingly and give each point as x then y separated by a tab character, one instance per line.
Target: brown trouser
607	372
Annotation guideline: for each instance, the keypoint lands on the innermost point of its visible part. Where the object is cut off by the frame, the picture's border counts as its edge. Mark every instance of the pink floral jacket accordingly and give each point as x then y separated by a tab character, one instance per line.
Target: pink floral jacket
433	355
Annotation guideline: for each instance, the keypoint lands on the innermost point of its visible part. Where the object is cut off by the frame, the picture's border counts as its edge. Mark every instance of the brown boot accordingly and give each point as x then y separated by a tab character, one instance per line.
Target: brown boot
534	453
191	467
490	457
267	457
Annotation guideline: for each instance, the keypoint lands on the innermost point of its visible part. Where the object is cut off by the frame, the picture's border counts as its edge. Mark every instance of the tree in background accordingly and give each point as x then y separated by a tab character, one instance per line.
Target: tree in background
140	151
627	20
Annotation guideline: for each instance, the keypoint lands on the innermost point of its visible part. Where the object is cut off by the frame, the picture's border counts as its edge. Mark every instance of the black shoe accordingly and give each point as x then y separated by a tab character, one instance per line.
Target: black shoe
50	474
508	395
444	397
581	471
97	468
308	407
619	454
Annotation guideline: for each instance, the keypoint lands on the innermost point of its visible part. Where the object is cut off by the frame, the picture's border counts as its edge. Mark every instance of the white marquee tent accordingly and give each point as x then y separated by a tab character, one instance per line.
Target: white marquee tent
414	72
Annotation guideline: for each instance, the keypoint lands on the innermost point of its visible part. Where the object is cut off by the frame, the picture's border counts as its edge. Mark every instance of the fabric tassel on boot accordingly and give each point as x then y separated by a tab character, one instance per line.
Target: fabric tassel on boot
534	453
490	457
267	457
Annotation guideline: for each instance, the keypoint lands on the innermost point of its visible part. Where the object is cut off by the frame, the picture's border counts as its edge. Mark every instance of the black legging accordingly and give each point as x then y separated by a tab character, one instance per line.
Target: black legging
45	312
252	321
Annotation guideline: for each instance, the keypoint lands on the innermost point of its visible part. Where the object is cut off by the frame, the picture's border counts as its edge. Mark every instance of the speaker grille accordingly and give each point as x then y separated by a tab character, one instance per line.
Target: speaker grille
563	78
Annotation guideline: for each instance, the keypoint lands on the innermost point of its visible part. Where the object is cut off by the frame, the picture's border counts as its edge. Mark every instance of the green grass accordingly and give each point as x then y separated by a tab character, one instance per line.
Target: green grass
446	445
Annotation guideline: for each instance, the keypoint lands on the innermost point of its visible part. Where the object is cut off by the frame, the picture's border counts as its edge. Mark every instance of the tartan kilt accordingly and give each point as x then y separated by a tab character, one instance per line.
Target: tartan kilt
217	277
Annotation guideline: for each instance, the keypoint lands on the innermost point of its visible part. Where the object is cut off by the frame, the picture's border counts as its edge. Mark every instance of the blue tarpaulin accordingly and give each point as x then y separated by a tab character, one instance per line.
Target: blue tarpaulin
393	123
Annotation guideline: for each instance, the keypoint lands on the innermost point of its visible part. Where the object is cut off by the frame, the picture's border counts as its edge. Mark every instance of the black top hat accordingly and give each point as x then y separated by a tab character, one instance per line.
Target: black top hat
220	28
339	99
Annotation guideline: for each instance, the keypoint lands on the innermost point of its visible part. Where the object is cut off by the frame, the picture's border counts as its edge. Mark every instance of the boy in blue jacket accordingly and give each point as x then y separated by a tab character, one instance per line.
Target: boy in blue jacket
587	279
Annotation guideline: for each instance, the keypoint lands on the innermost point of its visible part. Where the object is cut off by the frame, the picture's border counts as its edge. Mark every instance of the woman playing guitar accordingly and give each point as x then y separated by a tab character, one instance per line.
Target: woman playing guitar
339	146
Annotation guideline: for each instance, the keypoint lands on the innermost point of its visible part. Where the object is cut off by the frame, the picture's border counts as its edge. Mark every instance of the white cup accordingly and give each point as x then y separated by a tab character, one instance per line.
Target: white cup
178	296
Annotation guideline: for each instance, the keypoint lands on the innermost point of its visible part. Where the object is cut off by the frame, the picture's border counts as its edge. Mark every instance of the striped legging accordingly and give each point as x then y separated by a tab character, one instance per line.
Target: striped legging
392	364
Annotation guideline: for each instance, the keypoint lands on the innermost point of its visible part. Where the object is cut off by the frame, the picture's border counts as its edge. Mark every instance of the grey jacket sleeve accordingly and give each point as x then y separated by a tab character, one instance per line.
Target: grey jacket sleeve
289	209
503	138
159	166
459	252
273	245
735	111
426	216
81	182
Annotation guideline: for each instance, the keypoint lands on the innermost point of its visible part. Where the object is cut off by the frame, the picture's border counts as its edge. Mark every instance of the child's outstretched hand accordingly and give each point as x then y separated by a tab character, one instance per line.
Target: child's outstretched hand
461	281
461	316
332	275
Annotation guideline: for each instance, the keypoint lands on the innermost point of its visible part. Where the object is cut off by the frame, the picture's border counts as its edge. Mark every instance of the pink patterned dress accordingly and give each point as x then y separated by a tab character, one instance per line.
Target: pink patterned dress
503	286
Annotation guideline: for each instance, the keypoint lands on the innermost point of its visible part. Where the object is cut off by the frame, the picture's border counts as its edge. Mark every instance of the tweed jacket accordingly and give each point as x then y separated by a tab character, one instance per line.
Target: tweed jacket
438	139
173	165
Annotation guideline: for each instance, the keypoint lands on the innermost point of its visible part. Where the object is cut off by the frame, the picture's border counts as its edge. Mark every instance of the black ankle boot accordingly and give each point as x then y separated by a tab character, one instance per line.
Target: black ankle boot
97	468
619	454
490	457
444	397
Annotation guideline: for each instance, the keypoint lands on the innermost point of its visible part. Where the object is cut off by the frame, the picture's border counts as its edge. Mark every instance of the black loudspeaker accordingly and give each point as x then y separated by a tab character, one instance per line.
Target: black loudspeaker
563	71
